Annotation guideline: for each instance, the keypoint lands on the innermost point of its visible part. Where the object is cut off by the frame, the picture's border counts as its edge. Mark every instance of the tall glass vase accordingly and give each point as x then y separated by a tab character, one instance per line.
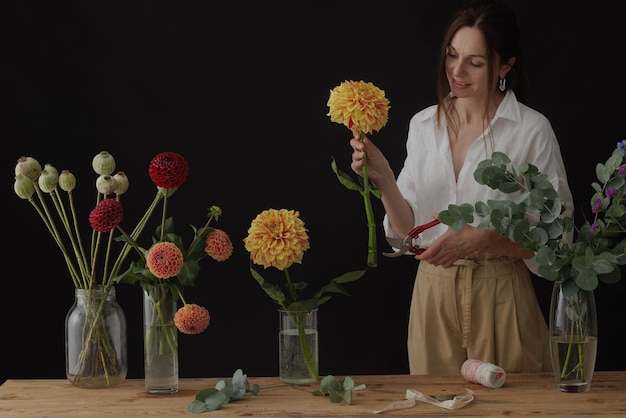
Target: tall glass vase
95	339
160	341
573	337
297	347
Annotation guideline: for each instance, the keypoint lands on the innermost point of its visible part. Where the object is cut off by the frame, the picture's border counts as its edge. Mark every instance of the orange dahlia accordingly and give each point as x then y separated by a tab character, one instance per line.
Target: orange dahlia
218	245
192	319
164	260
277	238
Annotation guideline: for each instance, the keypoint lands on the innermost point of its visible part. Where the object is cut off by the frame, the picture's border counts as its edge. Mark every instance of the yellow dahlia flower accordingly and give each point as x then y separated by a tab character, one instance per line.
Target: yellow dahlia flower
277	238
358	105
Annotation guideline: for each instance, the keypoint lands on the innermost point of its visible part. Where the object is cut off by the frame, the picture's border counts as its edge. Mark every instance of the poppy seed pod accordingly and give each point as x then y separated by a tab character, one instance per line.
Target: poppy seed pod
103	163
28	167
48	179
67	181
106	184
24	186
122	183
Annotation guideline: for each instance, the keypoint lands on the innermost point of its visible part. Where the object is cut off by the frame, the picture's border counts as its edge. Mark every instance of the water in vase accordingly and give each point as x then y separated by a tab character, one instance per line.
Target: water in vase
573	363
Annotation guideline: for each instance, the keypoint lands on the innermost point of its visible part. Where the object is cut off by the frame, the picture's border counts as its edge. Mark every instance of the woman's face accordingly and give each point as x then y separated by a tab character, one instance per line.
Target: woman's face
467	68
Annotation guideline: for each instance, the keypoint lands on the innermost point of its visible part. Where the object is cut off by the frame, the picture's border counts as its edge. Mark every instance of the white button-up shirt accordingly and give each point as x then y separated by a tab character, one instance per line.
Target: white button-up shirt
427	179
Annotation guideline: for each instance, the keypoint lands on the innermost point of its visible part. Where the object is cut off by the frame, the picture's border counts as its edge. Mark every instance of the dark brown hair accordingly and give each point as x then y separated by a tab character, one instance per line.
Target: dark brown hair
498	24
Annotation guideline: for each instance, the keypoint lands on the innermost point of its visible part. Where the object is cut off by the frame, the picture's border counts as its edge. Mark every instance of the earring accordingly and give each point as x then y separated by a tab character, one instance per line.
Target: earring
502	84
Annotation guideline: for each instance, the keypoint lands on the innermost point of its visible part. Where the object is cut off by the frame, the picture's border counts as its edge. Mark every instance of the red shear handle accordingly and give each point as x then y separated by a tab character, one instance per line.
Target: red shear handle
421	228
418	230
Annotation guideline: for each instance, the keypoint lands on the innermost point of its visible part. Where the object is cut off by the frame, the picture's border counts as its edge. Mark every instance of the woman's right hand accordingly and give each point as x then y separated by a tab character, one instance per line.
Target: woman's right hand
378	168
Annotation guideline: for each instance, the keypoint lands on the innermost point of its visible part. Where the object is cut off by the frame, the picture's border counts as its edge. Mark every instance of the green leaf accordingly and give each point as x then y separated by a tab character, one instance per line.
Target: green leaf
215	400
188	272
350	276
197	407
204	393
347	181
347	396
348	383
273	291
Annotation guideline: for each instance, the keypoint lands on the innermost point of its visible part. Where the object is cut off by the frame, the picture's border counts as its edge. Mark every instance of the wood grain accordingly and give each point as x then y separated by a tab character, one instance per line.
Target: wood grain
522	395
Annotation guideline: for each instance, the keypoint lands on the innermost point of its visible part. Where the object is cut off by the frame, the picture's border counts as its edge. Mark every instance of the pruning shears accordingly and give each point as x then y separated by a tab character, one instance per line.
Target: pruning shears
410	243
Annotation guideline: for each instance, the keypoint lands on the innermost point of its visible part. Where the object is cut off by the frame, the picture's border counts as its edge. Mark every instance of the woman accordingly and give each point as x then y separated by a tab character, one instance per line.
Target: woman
473	296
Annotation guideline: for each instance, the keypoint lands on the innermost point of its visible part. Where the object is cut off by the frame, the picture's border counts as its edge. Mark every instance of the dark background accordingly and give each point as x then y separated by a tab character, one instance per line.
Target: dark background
240	90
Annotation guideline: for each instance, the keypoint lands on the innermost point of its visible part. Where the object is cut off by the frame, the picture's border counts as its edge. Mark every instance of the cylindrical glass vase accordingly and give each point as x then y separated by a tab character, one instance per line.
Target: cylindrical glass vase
297	347
95	339
160	341
573	337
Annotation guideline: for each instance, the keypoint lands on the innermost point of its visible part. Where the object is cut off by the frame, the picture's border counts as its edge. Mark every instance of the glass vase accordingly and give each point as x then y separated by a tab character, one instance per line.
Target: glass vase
573	337
95	339
160	341
297	347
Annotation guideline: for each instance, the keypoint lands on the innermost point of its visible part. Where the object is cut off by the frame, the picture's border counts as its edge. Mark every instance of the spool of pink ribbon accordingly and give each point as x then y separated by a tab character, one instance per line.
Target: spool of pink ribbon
486	374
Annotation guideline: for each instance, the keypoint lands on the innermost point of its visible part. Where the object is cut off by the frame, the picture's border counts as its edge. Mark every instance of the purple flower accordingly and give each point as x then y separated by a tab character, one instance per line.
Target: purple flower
593	227
609	192
621	171
597	205
622	146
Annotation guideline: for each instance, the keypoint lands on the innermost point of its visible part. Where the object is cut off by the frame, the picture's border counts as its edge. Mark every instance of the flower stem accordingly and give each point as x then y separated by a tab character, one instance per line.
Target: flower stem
299	319
372	254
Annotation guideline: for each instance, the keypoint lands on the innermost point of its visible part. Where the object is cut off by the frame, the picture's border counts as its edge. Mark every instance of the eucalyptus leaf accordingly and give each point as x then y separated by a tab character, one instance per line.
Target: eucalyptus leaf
211	399
534	217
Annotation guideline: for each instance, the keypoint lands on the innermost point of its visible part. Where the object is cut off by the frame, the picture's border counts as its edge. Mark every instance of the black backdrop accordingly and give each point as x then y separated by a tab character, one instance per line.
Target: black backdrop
240	89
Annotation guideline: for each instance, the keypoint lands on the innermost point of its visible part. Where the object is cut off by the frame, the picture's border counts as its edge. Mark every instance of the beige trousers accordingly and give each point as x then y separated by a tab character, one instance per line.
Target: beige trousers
485	310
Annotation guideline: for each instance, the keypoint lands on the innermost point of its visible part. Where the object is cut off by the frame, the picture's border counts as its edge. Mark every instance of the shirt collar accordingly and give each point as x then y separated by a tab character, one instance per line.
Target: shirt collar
509	108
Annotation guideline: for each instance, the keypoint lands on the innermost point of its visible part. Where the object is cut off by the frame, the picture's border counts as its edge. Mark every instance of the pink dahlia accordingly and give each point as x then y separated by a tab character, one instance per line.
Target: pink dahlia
218	245
168	170
192	319
164	260
106	215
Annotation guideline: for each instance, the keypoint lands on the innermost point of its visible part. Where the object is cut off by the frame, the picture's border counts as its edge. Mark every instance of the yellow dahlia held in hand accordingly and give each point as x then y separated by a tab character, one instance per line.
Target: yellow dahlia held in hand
359	105
363	108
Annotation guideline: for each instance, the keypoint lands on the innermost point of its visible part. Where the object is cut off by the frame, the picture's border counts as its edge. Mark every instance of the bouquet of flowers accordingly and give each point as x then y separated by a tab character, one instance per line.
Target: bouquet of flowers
51	194
167	266
45	189
362	107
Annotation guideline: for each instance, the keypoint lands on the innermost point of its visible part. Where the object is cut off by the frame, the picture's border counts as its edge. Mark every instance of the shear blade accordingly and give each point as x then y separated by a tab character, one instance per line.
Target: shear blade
402	244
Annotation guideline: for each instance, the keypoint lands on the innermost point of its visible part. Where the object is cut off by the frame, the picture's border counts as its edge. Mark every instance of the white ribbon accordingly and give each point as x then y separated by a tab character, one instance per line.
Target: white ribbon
459	401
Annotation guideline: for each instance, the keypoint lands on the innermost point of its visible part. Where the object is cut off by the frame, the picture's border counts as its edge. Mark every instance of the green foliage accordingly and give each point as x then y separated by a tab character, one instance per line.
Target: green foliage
338	390
349	183
534	217
210	399
290	300
365	187
138	272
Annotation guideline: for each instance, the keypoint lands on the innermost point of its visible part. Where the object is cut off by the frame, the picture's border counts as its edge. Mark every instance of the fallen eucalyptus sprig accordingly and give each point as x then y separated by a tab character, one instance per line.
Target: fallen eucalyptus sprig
338	389
210	399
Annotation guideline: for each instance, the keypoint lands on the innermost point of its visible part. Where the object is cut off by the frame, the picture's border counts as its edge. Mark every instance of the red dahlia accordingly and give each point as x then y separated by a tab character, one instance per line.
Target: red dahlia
168	170
106	215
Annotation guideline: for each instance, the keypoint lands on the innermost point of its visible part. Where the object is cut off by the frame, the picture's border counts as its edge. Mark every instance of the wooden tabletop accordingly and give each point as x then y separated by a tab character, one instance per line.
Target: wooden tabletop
523	394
